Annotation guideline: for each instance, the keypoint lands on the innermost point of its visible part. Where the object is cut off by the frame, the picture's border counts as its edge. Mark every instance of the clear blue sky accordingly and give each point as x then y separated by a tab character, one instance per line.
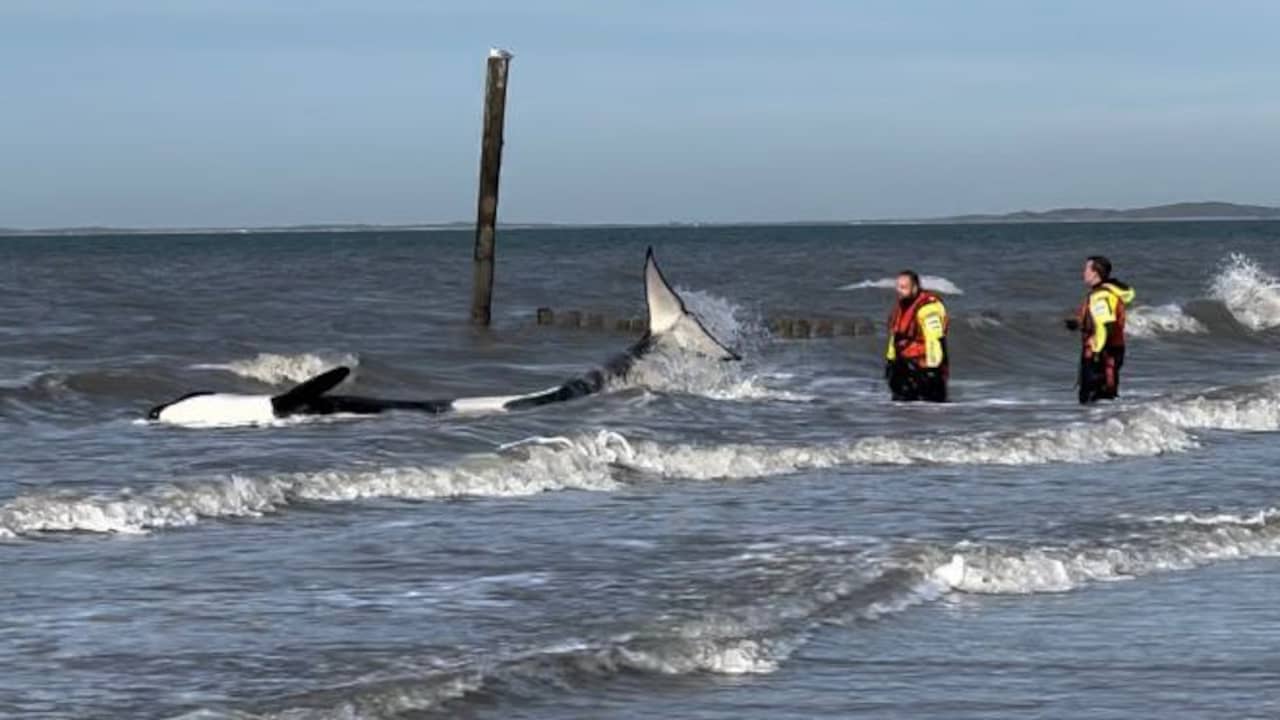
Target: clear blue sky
250	112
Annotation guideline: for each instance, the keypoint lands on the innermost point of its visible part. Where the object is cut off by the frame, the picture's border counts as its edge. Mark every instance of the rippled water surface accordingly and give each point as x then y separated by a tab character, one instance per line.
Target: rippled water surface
764	539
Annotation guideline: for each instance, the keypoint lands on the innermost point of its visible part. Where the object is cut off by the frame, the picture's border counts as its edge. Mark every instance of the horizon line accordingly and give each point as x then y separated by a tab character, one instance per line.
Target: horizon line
1054	215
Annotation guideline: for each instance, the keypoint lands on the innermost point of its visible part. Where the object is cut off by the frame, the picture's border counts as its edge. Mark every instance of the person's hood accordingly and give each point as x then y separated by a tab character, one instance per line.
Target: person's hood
1120	290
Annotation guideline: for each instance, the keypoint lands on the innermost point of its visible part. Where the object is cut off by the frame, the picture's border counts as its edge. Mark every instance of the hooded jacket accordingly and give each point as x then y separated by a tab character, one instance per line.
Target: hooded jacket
1102	316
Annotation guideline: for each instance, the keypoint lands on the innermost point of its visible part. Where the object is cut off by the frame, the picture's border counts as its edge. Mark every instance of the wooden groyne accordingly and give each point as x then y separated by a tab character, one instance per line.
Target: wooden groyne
794	327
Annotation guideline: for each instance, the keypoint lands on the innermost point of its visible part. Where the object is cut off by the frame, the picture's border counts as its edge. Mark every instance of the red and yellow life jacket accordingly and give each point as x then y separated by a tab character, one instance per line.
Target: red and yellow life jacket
917	331
1102	316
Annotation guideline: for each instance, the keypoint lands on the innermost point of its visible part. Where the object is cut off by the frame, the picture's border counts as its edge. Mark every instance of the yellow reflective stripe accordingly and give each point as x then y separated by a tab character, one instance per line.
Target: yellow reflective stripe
1102	308
932	318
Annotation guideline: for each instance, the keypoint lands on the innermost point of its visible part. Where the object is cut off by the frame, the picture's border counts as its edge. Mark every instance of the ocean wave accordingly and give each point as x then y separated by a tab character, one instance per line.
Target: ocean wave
993	568
1147	321
588	462
276	369
804	585
757	636
1253	519
1251	294
935	283
538	469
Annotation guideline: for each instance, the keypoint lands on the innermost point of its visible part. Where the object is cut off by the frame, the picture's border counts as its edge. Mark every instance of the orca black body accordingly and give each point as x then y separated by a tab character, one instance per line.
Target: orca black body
668	318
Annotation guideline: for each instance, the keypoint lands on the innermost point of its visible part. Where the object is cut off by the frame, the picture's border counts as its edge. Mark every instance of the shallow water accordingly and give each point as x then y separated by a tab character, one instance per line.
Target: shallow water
770	538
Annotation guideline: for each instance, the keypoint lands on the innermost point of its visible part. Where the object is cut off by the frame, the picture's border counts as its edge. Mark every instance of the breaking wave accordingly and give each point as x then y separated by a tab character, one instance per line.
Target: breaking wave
929	282
179	505
588	462
1177	542
1251	294
1151	320
275	369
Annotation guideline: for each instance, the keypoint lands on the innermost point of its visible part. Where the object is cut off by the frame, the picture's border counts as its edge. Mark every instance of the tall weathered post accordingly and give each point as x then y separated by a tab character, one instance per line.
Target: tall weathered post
495	106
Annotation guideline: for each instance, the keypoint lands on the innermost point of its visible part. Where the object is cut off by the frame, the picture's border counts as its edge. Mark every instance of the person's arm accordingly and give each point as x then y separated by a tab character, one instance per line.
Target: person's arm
1103	315
933	327
891	352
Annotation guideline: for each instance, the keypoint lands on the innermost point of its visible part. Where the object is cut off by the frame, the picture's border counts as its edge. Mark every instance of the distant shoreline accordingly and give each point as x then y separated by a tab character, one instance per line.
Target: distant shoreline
1178	212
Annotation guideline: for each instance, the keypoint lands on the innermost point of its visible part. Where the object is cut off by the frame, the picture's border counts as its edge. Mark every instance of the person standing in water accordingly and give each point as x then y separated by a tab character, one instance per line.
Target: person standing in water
916	361
1100	321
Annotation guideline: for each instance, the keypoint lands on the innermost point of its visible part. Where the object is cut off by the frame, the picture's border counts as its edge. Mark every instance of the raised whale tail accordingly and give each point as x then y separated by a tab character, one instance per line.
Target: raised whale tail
302	395
670	318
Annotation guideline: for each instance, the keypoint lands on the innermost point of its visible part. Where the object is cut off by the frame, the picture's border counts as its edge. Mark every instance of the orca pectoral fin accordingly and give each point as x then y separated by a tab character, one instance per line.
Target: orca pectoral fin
309	390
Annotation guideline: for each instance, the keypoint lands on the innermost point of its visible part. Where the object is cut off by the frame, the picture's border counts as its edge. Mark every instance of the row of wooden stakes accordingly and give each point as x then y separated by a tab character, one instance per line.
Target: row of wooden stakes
797	328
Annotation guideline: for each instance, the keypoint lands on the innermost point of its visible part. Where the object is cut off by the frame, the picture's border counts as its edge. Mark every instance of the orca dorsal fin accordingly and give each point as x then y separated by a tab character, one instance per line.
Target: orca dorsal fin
668	315
310	390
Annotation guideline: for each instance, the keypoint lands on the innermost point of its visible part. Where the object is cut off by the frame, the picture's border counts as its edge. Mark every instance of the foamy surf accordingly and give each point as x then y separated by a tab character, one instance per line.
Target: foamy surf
935	283
1254	519
276	369
994	568
1251	294
1146	321
667	371
585	466
588	461
806	584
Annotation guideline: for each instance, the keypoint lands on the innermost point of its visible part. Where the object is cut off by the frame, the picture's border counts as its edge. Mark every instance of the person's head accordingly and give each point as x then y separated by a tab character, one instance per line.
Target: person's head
908	285
1097	269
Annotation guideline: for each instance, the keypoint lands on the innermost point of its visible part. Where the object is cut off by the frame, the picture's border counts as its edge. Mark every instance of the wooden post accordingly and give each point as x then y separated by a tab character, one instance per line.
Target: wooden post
495	106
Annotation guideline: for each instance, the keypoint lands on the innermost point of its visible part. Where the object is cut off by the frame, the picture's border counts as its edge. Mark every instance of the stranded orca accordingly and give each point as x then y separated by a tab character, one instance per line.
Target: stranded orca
669	321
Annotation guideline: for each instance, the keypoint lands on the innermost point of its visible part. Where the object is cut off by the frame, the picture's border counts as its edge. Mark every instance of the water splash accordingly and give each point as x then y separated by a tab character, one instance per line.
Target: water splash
276	369
1251	294
1146	321
935	283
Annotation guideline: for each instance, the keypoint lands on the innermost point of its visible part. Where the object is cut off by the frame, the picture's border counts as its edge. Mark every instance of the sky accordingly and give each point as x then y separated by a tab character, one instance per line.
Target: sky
199	113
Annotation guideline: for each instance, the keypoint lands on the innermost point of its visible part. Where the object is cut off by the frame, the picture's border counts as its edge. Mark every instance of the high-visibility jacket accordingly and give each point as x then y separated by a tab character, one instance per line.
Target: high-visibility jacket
1102	316
917	332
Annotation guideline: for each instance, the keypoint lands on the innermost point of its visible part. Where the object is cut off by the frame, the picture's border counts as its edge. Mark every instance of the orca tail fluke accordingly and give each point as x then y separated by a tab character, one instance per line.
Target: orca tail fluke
312	389
668	316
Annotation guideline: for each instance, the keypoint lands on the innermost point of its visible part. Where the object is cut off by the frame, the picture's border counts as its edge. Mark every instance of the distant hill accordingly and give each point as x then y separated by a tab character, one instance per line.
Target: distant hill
1156	213
1175	211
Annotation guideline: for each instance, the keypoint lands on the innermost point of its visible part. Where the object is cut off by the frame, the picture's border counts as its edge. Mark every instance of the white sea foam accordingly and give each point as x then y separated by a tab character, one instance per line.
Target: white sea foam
678	372
1147	321
929	282
275	369
1254	519
1000	569
583	462
538	469
1250	411
1249	292
587	462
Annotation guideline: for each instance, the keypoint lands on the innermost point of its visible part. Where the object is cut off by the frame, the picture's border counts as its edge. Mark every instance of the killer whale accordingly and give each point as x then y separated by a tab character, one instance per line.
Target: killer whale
669	321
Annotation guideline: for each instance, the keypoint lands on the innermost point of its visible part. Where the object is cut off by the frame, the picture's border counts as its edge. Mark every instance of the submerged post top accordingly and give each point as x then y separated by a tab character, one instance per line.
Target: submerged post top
499	53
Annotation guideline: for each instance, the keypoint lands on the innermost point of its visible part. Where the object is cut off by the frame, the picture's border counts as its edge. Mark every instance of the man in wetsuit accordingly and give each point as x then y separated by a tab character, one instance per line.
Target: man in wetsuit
1100	321
916	361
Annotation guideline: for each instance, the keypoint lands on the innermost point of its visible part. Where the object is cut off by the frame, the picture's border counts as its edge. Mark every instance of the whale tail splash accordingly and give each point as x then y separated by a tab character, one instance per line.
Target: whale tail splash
670	318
